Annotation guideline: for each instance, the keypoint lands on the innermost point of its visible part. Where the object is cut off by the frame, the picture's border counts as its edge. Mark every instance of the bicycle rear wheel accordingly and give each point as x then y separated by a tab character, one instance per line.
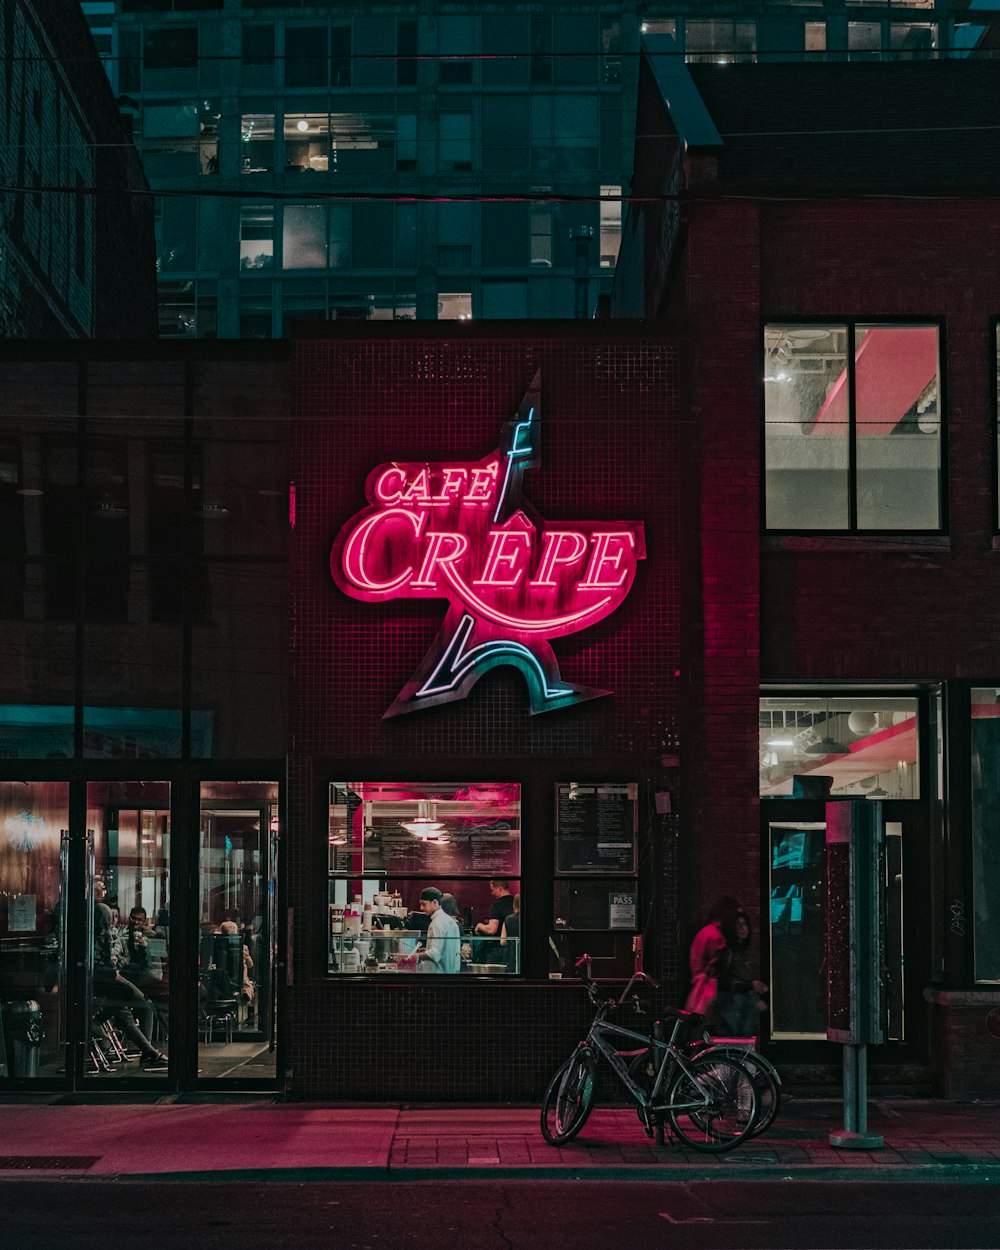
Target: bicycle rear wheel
569	1098
715	1107
766	1083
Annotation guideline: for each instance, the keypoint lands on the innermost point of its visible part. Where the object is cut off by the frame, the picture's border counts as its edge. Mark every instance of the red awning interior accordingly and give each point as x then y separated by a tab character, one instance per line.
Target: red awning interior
892	368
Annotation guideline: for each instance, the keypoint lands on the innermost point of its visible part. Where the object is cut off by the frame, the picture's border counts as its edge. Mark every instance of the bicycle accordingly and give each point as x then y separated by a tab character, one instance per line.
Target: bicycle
709	1099
766	1078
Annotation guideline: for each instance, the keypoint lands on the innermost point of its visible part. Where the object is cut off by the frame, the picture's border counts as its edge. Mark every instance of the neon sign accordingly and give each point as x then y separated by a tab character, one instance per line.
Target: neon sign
465	533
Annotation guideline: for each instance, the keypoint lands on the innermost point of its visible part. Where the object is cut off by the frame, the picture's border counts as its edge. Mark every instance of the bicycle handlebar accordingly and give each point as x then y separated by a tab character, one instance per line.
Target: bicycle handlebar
627	995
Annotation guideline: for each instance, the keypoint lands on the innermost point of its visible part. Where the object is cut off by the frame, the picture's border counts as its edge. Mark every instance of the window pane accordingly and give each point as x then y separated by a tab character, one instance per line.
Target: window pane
796	925
390	841
257	146
985	827
34	816
307	142
860	745
256	236
806	427
304	237
306	56
898	427
235	933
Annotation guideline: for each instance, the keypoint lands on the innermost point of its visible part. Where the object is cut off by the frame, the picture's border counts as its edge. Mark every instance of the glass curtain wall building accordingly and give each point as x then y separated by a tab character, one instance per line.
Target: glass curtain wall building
401	161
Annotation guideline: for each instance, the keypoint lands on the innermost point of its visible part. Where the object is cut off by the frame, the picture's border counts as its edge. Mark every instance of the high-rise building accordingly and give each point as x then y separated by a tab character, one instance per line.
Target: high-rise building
423	159
76	237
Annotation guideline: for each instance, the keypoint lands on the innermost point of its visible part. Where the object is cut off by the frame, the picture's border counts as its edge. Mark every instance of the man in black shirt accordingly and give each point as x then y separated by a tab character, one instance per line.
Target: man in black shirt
485	952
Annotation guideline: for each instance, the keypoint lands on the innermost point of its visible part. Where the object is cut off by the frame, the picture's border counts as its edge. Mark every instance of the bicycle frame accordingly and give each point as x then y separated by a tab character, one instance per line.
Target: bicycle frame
670	1058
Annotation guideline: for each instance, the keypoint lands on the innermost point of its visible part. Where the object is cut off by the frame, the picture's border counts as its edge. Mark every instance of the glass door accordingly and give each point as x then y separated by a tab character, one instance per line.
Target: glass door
796	923
127	909
34	840
235	939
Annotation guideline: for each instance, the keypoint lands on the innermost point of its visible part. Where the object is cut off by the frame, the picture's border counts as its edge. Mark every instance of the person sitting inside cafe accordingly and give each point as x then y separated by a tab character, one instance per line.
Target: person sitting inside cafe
487	949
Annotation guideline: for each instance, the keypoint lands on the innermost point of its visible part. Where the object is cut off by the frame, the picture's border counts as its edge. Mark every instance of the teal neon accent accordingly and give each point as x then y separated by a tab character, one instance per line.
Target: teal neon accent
515	452
487	655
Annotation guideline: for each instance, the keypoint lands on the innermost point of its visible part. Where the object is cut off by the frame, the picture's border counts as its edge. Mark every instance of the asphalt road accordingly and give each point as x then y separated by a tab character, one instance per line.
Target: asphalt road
37	1214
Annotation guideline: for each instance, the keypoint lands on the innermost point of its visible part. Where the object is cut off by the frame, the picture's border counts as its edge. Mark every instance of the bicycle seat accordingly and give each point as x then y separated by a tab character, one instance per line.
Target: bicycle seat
678	1013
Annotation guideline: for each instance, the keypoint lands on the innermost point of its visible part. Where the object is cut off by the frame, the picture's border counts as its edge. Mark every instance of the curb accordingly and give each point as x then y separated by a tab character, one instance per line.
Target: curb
952	1173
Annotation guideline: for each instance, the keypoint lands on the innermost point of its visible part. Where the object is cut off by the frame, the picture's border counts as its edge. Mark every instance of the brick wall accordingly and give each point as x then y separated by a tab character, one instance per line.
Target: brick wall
609	429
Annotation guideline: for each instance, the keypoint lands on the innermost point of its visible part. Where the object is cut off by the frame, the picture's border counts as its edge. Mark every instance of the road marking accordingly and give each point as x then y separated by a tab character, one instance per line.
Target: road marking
694	1219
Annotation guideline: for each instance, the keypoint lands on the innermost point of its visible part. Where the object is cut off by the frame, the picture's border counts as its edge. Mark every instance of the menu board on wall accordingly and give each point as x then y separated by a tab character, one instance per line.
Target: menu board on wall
486	849
596	827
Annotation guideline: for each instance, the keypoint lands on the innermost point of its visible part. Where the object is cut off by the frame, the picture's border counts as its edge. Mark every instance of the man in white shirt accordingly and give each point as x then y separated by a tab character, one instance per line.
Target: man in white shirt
442	946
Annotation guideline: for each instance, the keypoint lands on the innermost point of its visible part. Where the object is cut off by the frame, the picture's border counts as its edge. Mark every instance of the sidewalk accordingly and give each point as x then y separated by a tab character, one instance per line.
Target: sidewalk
226	1140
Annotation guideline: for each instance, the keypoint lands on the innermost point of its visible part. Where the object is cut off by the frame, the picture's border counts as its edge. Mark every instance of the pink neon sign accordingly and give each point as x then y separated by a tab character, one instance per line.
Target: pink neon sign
466	534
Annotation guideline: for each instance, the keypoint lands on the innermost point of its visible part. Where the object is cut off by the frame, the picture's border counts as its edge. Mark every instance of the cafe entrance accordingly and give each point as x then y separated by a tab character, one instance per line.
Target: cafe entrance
113	975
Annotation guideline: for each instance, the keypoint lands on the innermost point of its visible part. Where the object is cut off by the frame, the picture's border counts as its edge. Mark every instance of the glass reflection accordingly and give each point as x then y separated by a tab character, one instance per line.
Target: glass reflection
34	817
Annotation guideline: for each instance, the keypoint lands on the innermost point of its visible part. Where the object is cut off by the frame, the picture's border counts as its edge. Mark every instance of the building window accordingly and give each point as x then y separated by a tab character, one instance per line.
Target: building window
864	41
391	842
815	41
256	236
454	306
720	41
862	745
912	41
306	56
852	428
455	42
406	54
258	55
307	143
541	51
541	235
985	825
611	50
565	134
171	47
303	240
257	143
455	141
611	225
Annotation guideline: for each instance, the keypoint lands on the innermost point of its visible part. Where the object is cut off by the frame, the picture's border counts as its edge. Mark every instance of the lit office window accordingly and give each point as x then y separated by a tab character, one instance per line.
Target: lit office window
257	143
307	143
454	306
611	225
720	41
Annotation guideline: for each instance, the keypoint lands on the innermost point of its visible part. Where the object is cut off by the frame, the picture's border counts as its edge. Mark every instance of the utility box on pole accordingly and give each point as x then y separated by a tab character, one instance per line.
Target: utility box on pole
855	953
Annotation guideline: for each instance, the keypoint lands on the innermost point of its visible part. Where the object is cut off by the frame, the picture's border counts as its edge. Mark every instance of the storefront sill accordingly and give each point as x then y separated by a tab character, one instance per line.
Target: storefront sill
902	544
962	998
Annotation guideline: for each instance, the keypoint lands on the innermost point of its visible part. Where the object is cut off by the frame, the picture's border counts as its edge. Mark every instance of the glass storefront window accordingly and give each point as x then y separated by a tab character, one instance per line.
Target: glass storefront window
985	836
865	745
34	819
389	842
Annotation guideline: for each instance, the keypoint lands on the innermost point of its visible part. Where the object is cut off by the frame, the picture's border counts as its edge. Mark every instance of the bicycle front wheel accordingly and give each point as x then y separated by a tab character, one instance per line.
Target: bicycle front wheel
569	1098
714	1107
